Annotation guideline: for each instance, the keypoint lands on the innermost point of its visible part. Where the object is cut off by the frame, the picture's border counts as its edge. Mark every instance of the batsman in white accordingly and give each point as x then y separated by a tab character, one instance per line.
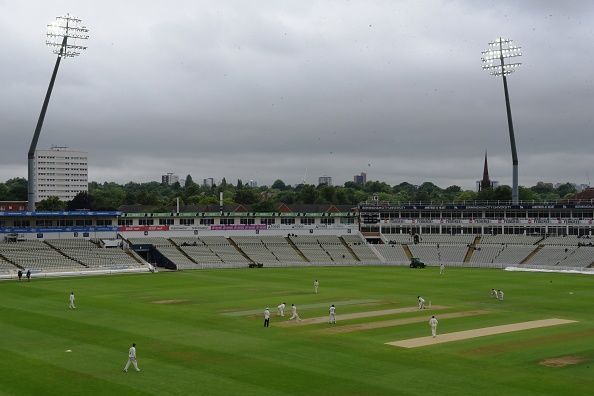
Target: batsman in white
294	314
421	302
281	309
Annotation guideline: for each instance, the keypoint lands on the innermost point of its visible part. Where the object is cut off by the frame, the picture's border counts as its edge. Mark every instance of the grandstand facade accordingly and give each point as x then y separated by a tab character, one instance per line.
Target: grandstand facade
552	236
527	218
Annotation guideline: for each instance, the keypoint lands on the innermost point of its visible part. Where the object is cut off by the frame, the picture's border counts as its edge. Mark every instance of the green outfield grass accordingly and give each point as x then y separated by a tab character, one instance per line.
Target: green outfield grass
200	345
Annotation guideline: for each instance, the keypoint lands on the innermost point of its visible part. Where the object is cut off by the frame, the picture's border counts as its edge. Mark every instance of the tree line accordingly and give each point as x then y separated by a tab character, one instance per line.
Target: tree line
162	197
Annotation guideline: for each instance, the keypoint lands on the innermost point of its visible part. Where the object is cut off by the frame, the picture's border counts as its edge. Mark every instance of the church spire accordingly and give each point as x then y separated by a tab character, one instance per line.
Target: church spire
486	182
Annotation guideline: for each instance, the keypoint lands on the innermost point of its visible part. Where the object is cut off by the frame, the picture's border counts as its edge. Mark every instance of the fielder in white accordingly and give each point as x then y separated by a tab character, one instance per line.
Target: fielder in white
71	301
500	295
441	268
131	359
421	302
281	309
294	314
332	318
433	323
316	286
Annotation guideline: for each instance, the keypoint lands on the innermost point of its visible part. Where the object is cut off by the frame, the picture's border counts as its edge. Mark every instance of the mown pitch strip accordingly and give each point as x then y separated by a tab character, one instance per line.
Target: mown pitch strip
399	322
302	306
359	315
485	331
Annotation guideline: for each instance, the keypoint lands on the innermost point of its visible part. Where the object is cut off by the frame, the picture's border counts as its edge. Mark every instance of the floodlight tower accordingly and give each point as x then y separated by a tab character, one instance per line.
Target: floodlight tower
494	62
63	36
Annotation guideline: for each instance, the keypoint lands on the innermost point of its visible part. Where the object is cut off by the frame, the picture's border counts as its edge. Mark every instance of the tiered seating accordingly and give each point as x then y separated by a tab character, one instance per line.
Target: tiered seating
71	243
393	253
91	255
399	238
224	249
580	257
255	249
335	248
281	248
465	239
155	241
175	256
486	253
514	254
197	250
36	255
360	247
431	254
311	249
503	239
167	249
5	266
569	240
550	255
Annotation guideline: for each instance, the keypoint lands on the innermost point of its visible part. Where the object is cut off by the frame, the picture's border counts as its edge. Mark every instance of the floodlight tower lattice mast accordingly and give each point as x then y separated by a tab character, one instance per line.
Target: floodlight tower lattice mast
494	61
62	37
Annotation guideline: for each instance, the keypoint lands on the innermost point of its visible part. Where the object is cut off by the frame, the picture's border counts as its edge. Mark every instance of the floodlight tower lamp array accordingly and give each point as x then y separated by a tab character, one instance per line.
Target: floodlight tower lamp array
494	62
63	36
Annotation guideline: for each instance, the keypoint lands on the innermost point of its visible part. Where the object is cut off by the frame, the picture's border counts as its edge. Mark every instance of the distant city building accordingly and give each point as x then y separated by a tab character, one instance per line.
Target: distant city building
208	182
60	172
325	180
253	183
360	179
169	179
486	182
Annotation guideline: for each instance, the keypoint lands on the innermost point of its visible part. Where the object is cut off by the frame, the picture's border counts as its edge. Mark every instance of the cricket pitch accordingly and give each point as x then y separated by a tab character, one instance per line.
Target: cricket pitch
485	331
359	315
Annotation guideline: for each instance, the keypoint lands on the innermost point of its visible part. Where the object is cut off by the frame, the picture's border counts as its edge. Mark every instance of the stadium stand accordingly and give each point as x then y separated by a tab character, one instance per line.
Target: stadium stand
335	248
352	249
393	253
225	251
568	240
311	248
280	247
514	254
167	249
465	239
399	238
581	257
91	255
255	249
433	254
550	255
503	239
485	254
360	247
6	266
36	255
198	252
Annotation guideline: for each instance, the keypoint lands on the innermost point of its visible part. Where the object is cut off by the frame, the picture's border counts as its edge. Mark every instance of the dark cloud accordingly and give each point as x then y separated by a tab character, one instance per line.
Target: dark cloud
272	90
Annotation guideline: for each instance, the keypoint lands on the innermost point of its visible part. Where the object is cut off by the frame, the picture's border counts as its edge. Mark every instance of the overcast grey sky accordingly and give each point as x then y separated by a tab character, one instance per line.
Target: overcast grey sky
292	89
